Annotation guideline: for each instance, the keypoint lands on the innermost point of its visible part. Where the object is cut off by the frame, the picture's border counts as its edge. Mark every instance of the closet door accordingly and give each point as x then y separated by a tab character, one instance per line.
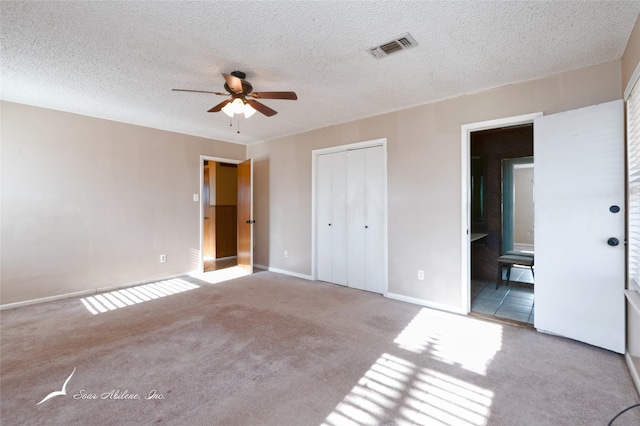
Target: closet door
365	204
332	234
356	218
374	220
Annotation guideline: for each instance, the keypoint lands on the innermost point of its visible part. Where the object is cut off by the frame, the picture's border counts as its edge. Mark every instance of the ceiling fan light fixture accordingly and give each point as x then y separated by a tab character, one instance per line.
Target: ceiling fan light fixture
238	106
248	111
234	107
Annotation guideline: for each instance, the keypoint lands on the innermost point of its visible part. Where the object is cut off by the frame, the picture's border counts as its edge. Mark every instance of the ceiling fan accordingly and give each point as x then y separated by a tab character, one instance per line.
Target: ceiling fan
243	98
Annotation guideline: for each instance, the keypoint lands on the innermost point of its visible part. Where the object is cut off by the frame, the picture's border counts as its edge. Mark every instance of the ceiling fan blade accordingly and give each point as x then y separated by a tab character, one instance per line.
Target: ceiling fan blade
262	108
200	91
234	83
220	106
275	95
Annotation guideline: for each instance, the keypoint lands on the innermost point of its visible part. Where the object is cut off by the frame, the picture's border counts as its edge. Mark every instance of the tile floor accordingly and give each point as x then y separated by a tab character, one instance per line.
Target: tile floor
513	302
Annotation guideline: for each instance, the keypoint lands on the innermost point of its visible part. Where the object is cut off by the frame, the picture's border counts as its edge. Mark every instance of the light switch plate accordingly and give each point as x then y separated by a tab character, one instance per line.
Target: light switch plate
196	197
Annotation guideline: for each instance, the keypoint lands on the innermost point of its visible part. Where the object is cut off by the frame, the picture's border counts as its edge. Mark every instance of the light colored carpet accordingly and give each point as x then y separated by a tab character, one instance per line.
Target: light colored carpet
269	349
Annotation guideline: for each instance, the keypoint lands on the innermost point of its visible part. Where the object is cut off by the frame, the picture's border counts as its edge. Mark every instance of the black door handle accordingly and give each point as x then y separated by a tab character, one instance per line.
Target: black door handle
613	242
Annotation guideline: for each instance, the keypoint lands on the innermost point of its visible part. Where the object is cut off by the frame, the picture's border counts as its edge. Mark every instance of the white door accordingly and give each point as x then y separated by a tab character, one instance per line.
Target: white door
332	217
365	224
350	197
355	217
375	270
579	269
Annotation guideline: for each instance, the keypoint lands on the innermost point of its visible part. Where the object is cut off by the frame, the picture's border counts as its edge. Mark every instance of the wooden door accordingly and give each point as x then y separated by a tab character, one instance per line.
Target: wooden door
245	215
580	254
208	248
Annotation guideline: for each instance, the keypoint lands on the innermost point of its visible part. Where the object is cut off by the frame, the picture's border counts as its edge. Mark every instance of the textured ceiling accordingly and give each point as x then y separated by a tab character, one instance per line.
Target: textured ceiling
120	60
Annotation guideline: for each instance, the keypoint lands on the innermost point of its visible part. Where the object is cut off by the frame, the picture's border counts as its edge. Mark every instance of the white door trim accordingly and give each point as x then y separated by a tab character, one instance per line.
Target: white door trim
314	226
201	215
466	130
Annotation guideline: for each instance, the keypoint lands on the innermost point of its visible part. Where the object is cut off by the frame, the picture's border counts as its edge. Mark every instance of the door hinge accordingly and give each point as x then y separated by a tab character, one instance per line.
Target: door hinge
251	222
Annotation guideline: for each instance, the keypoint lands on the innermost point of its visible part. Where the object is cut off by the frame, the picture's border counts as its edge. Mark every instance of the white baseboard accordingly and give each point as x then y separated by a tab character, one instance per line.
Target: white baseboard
425	303
635	374
85	292
284	272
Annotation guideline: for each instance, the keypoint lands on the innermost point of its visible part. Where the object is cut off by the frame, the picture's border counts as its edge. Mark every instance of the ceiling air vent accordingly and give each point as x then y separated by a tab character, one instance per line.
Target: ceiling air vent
402	42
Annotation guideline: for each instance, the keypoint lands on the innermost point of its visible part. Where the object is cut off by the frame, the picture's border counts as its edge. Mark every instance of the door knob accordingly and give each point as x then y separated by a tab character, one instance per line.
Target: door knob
613	242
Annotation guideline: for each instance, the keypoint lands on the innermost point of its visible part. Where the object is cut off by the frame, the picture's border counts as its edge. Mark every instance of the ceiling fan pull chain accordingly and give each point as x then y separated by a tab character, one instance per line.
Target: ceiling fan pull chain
238	115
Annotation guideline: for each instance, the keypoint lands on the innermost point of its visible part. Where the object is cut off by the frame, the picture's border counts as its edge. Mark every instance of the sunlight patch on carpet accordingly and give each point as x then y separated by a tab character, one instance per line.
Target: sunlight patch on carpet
117	299
452	339
437	398
418	395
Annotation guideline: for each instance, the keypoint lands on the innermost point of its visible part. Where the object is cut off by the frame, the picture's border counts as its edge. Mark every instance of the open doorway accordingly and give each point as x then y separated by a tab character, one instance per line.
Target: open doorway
220	215
501	186
226	215
579	268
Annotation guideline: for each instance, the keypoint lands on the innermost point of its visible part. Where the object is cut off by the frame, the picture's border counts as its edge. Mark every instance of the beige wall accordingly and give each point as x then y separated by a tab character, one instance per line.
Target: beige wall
631	56
90	203
424	178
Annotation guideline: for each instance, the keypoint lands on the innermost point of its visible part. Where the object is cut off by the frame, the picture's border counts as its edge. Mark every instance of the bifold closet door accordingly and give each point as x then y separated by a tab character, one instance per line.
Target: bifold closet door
350	218
365	225
332	218
356	218
374	220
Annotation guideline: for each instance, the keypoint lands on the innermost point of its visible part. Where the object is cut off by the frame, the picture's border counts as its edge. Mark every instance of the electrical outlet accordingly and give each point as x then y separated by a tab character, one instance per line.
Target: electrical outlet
163	258
420	274
286	254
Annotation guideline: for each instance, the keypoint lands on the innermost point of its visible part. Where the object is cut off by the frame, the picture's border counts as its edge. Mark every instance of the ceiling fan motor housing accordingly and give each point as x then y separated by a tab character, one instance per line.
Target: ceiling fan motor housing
246	86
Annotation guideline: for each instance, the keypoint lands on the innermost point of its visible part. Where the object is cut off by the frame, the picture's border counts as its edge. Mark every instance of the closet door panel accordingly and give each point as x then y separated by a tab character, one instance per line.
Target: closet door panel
339	245
355	211
374	220
324	200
